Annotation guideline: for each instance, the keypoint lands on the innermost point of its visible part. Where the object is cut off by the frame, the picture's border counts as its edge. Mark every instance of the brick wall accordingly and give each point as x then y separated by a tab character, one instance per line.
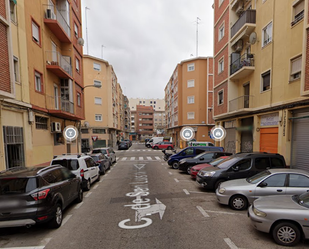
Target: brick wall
219	9
3	8
5	81
219	109
224	20
307	64
218	78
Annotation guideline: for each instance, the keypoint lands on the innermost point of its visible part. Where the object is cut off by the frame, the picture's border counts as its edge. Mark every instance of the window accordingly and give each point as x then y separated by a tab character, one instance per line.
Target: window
13	11
221	66
78	99
190	115
75	30
16	69
298	11
154	102
298	181
38	82
243	164
41	123
77	64
277	163
97	83
267	34
97	66
275	180
190	83
98	101
220	98
99	131
190	67
98	117
36	32
262	163
56	96
266	81
221	32
84	131
295	68
191	100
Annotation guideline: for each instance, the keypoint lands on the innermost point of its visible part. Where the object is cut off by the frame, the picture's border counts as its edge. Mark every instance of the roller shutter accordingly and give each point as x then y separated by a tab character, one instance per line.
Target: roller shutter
269	140
229	141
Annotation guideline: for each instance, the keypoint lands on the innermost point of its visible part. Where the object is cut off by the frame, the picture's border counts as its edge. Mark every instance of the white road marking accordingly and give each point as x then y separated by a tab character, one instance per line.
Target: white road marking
132	158
88	194
197	192
149	158
176	180
79	205
96	186
138	150
101	180
202	211
170	173
140	158
230	243
26	247
123	159
221	212
65	220
158	158
186	191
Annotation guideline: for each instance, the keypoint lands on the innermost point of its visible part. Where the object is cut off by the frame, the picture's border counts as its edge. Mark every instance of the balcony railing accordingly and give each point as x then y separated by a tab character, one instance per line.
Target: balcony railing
246	60
60	104
249	16
240	103
54	58
54	14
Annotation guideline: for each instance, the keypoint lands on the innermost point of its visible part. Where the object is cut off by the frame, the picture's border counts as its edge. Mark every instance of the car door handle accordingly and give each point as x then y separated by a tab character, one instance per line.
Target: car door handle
279	190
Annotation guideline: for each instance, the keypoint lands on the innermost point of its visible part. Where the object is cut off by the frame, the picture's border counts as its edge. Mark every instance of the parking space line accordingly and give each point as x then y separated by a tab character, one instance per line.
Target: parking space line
79	205
170	173
95	187
132	158
101	180
88	194
186	191
149	158
222	212
123	159
197	192
176	180
230	243
202	211
65	220
140	158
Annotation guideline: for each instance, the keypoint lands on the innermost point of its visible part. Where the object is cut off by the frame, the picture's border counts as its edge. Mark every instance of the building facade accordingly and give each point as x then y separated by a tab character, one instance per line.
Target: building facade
261	94
144	121
189	99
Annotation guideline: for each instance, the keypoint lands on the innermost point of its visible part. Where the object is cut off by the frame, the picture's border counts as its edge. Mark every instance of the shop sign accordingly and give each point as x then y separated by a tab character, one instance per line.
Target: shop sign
270	119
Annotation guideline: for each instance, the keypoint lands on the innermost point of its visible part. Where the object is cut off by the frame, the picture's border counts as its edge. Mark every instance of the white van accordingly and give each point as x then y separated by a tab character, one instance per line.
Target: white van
153	141
197	143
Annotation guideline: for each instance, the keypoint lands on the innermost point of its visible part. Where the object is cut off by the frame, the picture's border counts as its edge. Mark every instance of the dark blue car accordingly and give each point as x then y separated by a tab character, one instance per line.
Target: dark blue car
191	151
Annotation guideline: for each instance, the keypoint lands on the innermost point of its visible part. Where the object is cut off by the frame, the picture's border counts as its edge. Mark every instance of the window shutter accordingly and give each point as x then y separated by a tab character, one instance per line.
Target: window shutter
266	79
299	7
35	31
296	65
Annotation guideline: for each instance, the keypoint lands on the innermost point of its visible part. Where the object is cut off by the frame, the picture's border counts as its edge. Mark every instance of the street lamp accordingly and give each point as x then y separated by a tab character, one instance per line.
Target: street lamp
96	86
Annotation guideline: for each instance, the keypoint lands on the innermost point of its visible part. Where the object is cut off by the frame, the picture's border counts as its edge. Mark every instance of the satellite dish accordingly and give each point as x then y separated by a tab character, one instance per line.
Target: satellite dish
86	124
80	41
252	38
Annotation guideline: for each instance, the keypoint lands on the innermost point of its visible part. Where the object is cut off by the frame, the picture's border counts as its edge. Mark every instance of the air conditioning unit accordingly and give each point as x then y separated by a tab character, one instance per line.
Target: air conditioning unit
239	10
55	127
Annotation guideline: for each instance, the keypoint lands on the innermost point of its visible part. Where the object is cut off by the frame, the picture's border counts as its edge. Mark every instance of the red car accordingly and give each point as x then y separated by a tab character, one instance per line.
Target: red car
163	145
197	168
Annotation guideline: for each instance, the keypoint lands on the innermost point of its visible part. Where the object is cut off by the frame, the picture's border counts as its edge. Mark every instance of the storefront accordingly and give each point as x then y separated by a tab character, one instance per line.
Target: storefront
269	133
230	138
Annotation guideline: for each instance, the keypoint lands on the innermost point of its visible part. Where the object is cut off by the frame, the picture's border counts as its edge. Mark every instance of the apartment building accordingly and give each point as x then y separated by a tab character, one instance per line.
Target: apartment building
260	87
127	117
189	99
144	121
105	105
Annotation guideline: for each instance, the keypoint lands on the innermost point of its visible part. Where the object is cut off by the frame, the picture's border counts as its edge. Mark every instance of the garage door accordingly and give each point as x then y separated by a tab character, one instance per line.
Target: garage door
229	141
269	140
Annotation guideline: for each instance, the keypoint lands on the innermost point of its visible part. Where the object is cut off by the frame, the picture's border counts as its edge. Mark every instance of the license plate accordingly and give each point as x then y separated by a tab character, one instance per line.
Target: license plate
9	203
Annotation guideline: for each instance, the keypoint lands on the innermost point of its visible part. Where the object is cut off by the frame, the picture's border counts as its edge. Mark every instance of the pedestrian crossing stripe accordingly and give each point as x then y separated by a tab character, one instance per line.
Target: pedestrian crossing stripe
148	158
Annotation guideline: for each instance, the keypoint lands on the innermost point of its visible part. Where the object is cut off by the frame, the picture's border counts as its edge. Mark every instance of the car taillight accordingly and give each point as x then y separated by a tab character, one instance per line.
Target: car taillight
82	173
40	195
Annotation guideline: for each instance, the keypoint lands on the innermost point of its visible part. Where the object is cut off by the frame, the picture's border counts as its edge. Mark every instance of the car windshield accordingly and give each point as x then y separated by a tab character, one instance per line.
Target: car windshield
95	158
302	199
71	164
199	155
227	162
258	177
11	186
217	161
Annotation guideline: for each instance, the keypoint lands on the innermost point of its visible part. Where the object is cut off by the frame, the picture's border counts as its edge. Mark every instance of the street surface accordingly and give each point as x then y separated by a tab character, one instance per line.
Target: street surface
143	203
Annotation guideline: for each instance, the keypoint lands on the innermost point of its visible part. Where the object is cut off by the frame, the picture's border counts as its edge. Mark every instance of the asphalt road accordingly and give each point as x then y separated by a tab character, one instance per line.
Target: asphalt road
143	203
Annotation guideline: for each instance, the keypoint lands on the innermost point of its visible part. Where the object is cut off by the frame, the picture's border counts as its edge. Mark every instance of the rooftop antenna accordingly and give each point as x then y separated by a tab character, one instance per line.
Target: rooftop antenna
102	51
86	8
197	23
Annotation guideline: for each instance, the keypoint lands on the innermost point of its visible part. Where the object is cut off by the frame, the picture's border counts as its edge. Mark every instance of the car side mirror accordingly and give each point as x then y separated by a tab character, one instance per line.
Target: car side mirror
235	168
262	184
202	159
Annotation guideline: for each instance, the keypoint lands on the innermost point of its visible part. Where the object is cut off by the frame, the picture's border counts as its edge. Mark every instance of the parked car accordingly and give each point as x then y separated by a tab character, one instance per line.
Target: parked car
128	141
81	165
123	145
285	217
30	196
103	161
108	152
195	169
153	141
206	157
190	152
163	146
240	165
241	192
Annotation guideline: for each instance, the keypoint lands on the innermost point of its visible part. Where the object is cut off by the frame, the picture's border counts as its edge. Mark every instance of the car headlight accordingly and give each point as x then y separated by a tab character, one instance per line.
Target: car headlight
221	190
209	173
259	212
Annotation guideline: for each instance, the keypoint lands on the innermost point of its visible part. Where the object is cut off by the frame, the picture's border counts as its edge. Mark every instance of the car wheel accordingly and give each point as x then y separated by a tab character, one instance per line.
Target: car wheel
218	183
189	170
169	147
238	202
156	147
103	170
286	234
175	165
80	196
56	221
88	184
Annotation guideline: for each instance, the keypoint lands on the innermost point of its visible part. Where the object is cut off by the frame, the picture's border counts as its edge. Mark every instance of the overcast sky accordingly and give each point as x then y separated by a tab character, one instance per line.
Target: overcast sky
145	39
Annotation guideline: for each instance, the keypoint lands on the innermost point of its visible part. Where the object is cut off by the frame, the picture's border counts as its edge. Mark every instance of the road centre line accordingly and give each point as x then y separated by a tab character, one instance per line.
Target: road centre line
202	211
176	180
186	191
88	194
79	205
65	220
230	243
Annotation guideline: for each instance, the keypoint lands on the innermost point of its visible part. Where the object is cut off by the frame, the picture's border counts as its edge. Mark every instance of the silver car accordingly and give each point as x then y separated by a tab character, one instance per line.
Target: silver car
285	217
241	192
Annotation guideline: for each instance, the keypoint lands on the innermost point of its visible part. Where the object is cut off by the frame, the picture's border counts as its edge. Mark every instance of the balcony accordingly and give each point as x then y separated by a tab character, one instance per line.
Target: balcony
241	104
58	64
60	107
57	23
243	26
241	66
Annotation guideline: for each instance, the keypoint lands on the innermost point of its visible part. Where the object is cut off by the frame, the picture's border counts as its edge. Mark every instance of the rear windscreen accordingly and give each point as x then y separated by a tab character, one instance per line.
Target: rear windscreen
99	151
71	164
11	186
